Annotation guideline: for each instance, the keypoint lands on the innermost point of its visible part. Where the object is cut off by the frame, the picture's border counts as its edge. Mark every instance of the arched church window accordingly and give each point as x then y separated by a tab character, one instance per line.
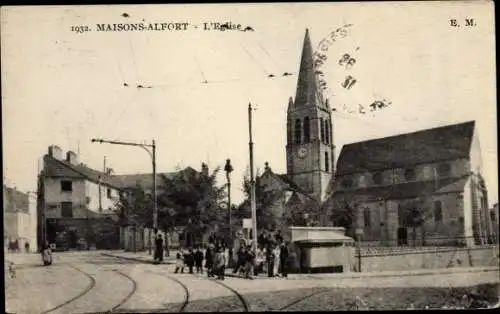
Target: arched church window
306	130
438	214
297	131
327	164
289	132
377	178
444	170
322	129
347	183
327	134
410	174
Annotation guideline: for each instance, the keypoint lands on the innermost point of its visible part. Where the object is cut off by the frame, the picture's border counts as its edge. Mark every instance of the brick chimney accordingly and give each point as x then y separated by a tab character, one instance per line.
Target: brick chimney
55	152
72	157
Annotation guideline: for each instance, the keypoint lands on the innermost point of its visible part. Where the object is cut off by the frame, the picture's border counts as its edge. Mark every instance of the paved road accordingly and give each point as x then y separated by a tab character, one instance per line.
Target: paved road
87	282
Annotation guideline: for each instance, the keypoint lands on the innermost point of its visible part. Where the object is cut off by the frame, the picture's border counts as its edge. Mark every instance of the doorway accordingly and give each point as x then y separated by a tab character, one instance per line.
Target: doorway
402	236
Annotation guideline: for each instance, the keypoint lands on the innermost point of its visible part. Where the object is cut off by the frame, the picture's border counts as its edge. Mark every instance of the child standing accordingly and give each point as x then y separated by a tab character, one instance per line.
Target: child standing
179	263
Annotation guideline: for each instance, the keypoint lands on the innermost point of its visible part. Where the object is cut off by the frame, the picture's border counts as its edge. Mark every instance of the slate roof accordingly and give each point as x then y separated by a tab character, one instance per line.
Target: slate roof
145	180
15	201
62	168
399	151
54	167
410	189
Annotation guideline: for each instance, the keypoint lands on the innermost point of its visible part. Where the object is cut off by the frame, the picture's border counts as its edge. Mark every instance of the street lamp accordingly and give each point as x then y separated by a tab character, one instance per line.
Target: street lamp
228	169
359	233
152	154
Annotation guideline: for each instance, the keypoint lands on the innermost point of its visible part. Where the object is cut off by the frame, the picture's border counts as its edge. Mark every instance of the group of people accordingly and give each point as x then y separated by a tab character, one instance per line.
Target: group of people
215	261
271	256
13	246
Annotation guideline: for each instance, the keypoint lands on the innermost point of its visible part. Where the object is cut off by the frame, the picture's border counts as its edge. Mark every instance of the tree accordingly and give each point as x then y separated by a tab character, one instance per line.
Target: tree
303	213
192	199
135	207
264	199
344	214
415	214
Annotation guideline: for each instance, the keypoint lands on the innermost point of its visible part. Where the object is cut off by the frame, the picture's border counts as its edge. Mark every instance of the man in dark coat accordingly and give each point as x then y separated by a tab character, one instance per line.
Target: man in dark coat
198	261
209	260
270	260
159	249
284	259
189	260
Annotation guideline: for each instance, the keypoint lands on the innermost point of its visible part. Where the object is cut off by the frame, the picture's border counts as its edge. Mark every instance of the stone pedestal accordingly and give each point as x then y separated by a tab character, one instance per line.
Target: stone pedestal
321	250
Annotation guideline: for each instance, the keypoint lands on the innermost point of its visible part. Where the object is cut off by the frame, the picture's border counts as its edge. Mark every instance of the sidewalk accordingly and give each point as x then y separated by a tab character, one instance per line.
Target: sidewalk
379	274
142	256
146	258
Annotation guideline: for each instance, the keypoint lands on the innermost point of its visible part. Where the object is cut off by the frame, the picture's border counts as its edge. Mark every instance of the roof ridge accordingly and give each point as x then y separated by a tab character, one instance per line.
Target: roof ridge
413	132
72	167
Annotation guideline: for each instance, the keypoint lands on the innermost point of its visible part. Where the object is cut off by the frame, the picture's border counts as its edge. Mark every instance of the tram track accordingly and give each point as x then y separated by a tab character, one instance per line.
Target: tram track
310	295
129	295
87	289
242	299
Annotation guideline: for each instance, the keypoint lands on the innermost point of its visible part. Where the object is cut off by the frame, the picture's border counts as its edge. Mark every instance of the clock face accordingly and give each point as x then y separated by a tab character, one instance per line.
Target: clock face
302	152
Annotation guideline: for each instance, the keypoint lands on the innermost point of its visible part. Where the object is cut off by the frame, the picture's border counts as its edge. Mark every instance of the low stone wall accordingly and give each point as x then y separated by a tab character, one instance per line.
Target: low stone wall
429	258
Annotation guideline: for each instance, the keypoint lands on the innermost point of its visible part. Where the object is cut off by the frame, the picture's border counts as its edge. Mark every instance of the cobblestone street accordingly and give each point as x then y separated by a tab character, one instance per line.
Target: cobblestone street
89	282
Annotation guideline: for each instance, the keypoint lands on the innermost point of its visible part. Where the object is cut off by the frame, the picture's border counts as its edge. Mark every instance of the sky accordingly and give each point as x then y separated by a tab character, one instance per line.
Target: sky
64	88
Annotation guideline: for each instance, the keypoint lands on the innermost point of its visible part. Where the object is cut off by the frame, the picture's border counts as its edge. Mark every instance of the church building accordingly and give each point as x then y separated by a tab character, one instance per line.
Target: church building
423	188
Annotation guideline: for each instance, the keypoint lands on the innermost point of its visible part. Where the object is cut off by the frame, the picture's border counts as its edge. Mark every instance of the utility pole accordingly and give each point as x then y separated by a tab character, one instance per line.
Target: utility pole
152	154
252	182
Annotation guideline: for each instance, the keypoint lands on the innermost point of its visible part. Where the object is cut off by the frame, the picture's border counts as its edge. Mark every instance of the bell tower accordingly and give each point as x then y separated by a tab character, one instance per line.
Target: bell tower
309	149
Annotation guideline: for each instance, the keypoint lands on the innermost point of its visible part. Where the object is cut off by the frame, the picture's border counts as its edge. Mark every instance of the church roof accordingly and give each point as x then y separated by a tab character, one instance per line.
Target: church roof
399	151
410	189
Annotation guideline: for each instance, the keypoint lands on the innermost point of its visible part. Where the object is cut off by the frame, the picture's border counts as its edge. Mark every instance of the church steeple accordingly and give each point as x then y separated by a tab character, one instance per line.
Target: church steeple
309	149
307	88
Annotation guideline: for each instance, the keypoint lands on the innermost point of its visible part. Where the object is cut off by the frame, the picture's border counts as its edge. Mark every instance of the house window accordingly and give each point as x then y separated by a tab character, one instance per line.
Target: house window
67	209
306	130
367	218
410	174
109	193
492	216
66	186
438	214
347	183
377	178
444	170
327	166
461	219
322	129
297	131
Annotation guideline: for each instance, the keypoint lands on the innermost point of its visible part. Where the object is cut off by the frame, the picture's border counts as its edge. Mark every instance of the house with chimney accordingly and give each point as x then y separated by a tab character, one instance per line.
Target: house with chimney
74	201
77	206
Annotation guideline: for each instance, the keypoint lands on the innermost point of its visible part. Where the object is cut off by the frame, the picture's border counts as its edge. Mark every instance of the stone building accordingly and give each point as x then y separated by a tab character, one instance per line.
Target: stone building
434	174
425	186
73	201
18	219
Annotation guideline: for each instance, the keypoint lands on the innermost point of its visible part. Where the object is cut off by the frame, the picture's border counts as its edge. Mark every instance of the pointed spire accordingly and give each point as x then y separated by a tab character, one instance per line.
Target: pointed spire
306	84
290	103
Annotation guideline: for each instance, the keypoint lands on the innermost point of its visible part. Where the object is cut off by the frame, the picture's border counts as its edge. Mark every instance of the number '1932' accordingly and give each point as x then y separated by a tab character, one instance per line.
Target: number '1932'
80	29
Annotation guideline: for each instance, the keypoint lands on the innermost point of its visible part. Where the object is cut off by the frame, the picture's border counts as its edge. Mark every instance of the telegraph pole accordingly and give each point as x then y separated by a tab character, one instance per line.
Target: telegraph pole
252	182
